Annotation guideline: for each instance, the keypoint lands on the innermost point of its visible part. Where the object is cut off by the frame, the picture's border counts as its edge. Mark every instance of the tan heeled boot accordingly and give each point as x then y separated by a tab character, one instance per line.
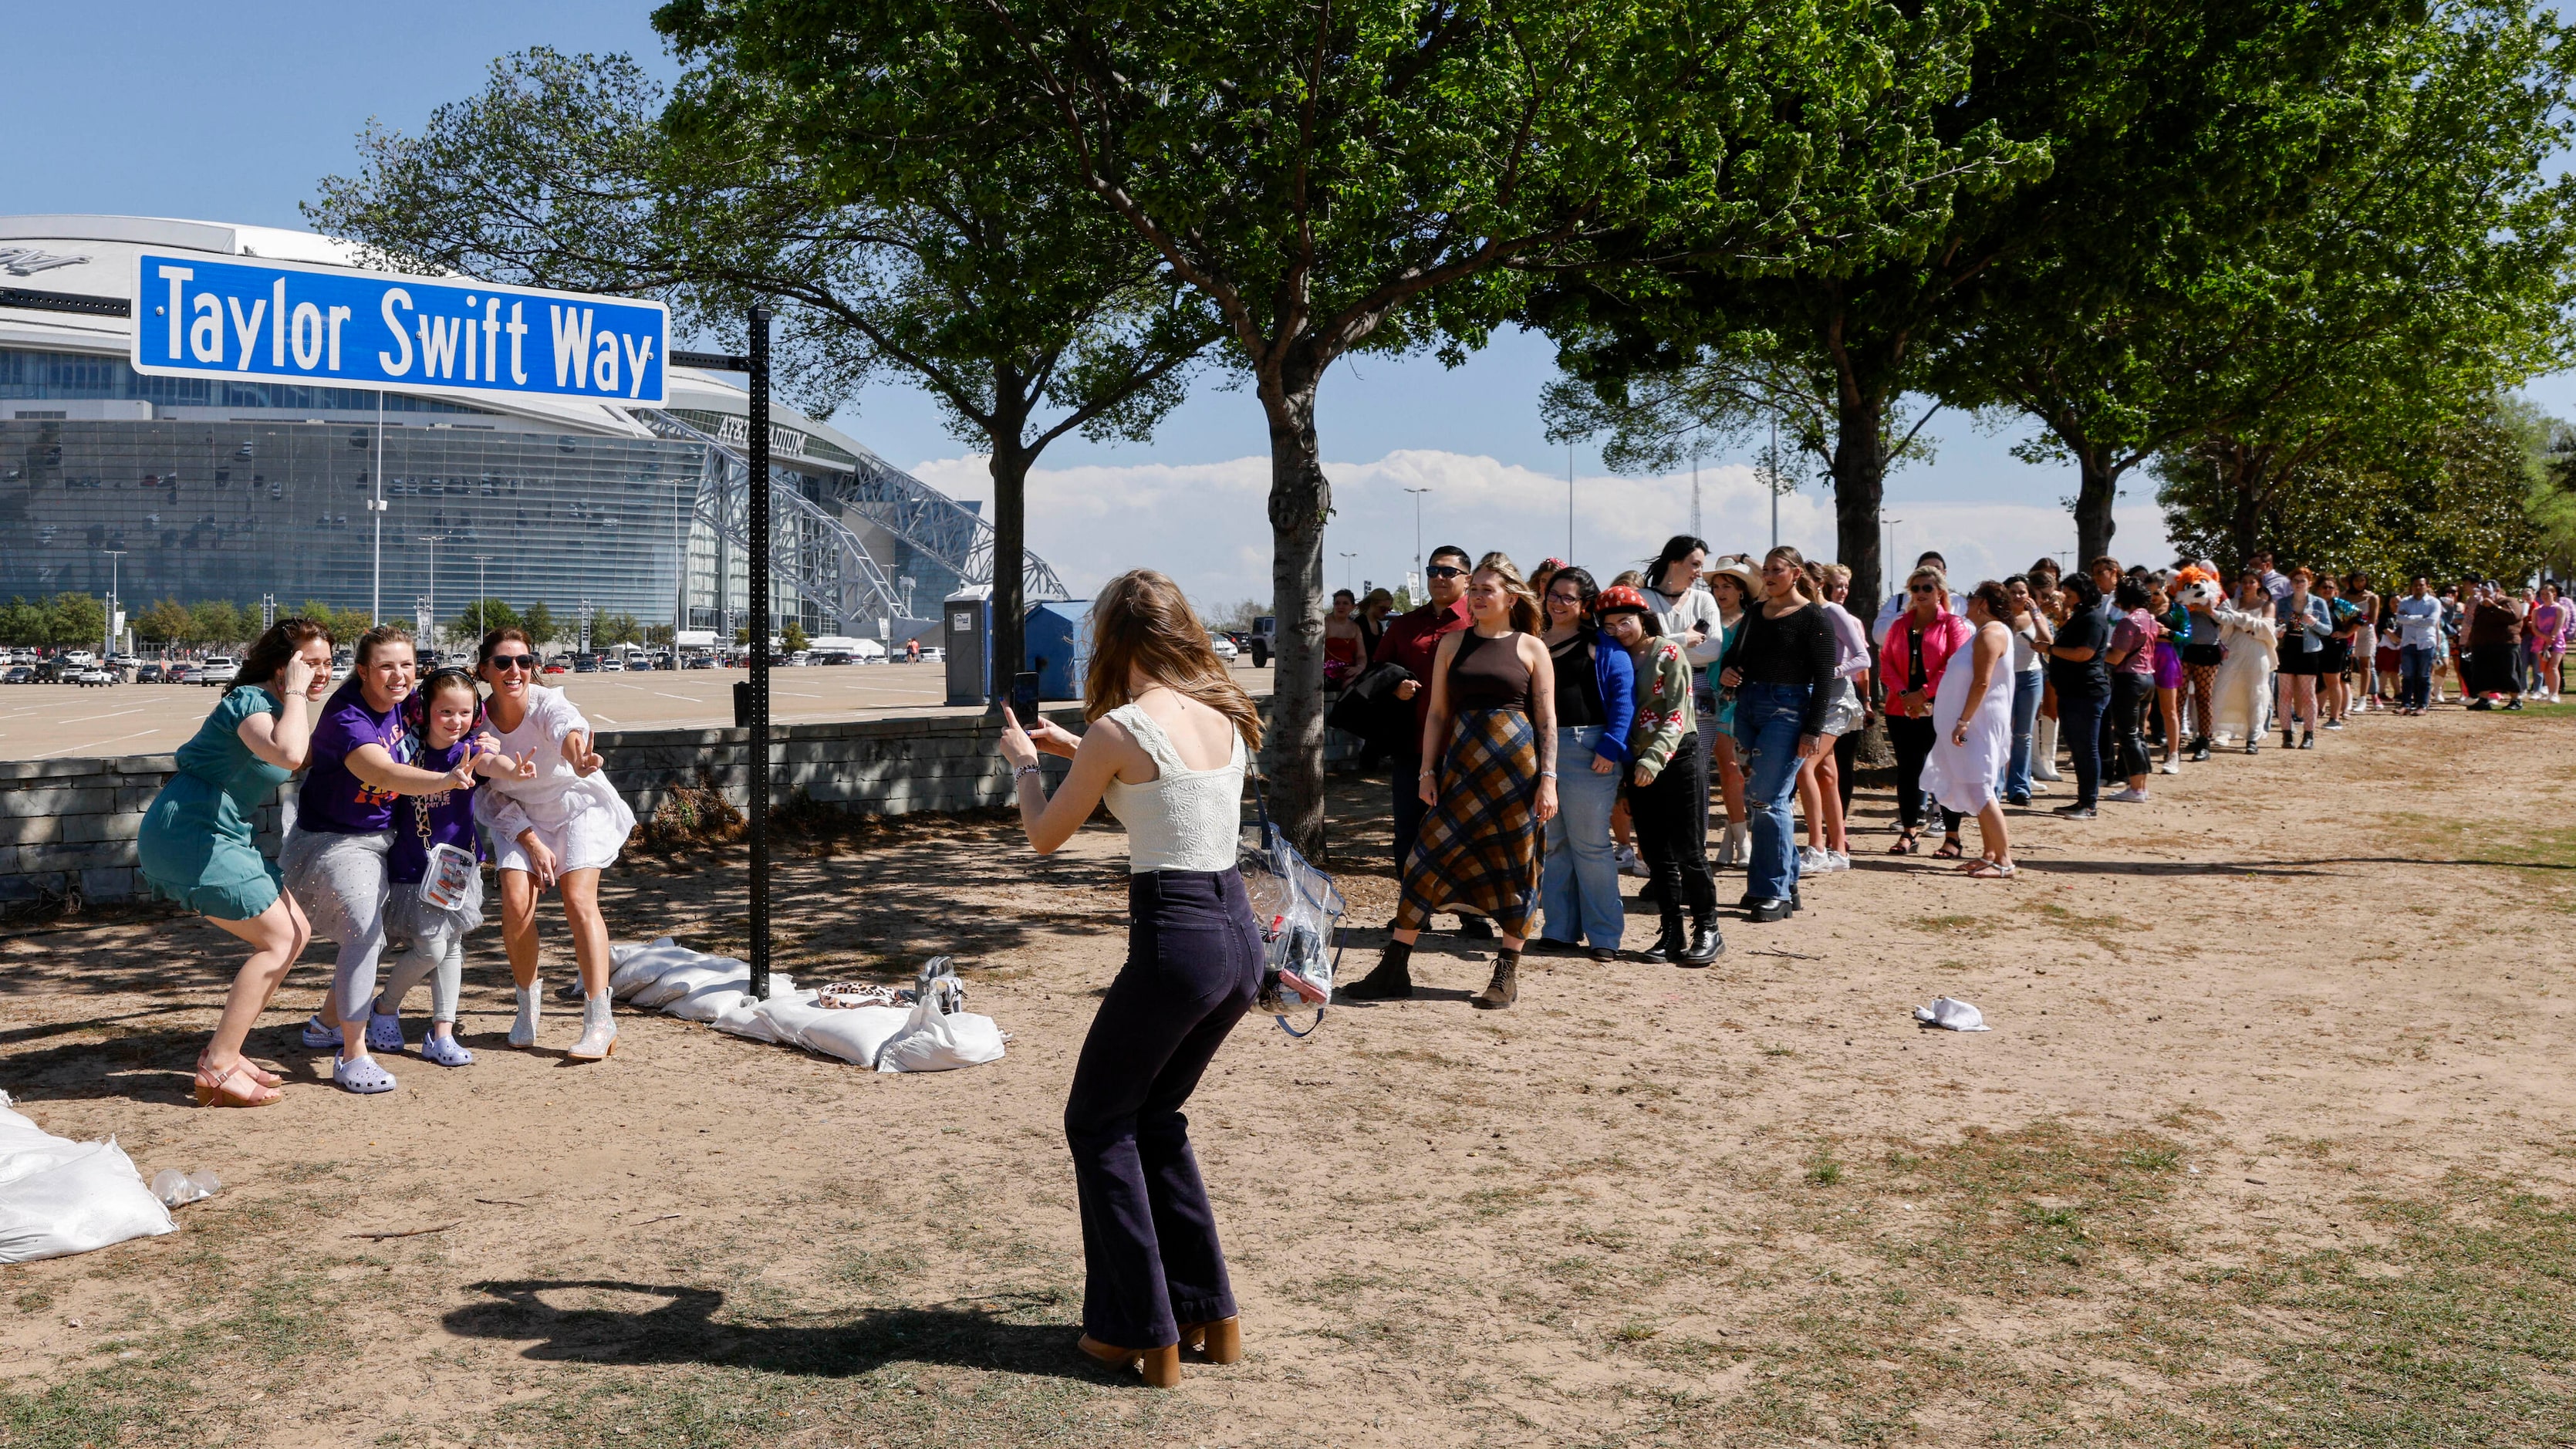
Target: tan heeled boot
1217	1342
1160	1366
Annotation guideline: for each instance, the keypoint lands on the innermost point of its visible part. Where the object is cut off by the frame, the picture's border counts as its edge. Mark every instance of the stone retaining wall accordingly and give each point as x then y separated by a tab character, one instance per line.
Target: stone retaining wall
67	826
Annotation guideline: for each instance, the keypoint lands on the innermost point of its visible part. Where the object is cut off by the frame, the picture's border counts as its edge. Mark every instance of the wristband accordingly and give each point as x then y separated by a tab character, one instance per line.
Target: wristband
1547	774
1022	771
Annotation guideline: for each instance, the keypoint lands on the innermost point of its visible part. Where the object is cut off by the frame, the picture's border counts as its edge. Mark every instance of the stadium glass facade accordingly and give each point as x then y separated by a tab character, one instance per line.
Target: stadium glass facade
277	505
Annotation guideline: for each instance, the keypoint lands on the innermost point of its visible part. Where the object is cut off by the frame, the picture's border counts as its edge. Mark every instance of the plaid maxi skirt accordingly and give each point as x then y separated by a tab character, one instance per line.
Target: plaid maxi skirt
1479	847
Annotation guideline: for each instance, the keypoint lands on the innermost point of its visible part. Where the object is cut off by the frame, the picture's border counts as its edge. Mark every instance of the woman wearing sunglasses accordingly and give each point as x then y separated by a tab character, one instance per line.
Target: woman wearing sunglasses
558	828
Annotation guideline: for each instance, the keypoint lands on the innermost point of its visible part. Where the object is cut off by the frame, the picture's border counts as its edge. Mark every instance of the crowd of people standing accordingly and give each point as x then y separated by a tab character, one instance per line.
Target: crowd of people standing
1551	732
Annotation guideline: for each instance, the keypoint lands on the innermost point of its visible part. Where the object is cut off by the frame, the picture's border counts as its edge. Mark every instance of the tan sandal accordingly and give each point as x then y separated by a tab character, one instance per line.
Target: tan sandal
235	1086
257	1074
1160	1366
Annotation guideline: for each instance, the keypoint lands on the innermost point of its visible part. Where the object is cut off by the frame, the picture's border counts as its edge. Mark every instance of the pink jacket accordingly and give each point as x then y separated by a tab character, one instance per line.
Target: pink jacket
1944	637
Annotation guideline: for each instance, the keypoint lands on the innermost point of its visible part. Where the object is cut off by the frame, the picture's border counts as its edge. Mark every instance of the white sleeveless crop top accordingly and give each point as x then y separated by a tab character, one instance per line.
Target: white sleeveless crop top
1183	819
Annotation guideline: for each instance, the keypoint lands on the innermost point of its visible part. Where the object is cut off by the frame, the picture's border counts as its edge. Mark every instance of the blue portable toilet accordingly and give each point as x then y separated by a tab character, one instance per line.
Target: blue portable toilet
1057	644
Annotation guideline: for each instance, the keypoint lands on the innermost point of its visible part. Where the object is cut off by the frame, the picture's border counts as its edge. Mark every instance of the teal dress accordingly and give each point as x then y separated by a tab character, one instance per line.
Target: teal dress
1722	706
196	844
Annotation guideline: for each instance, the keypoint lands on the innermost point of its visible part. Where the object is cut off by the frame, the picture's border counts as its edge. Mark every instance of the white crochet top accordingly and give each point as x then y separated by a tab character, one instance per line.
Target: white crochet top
1183	819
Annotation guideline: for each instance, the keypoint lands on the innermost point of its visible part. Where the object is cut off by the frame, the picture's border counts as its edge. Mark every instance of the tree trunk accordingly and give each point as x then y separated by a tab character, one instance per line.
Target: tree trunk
2243	469
1860	486
1301	499
1010	469
2098	489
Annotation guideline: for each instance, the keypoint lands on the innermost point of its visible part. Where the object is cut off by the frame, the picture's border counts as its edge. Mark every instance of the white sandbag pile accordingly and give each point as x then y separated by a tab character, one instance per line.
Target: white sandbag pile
59	1197
929	1036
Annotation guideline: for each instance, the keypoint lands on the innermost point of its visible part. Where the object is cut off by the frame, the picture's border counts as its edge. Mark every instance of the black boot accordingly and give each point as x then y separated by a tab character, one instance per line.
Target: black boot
1505	988
1706	945
1392	979
1672	942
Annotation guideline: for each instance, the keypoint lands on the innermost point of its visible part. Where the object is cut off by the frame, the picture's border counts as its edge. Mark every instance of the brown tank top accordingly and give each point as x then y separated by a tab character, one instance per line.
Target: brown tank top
1489	674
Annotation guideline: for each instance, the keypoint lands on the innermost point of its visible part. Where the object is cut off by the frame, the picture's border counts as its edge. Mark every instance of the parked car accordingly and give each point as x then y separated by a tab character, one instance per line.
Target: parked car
612	665
699	661
1223	646
181	674
585	664
933	654
79	658
20	674
218	669
93	675
147	674
555	666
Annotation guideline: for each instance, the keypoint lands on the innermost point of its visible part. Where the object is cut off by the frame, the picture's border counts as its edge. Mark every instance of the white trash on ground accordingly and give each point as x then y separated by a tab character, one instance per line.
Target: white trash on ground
1951	1014
936	1034
59	1197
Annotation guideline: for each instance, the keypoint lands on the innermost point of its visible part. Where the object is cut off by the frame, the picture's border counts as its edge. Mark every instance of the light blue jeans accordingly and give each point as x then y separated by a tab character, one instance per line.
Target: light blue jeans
1579	886
1767	720
2027	685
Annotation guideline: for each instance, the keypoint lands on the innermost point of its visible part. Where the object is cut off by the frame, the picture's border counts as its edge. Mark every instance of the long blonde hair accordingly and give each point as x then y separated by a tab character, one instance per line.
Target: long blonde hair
1142	622
1525	614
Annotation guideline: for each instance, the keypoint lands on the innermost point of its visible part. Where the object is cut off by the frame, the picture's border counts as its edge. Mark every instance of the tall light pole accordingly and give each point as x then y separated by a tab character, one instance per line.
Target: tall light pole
1346	568
1417	534
376	512
1695	533
1569	503
480	593
433	540
115	559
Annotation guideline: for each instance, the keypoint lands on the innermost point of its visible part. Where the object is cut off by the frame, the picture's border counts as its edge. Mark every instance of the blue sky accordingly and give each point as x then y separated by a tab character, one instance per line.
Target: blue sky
231	113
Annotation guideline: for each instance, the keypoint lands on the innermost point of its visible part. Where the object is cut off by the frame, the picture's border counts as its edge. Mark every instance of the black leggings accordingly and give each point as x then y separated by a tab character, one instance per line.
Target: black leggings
1671	817
1846	759
1913	741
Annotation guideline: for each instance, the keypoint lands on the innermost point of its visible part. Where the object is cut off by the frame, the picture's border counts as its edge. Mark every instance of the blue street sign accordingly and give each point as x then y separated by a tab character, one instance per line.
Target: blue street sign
264	321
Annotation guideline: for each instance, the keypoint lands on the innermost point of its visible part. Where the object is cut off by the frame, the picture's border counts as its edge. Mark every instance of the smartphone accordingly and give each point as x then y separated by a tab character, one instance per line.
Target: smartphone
1024	698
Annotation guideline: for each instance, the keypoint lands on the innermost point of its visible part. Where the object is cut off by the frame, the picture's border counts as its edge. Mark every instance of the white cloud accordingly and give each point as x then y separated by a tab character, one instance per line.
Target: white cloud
1205	523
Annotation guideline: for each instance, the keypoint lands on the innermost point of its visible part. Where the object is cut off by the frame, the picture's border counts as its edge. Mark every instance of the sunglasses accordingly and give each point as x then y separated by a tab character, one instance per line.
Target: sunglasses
1444	571
515	662
1921	589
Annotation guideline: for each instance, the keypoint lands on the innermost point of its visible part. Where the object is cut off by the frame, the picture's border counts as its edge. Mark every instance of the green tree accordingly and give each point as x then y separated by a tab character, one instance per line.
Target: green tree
1376	176
542	626
474	620
166	622
2447	505
1023	307
216	622
610	629
791	638
22	624
659	636
75	621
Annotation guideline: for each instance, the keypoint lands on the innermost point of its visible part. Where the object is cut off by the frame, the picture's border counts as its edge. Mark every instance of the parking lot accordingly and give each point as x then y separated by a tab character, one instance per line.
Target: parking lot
54	721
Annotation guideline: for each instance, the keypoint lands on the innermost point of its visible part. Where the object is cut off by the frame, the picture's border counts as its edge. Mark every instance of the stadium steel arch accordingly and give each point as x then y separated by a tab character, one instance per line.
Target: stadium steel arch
821	557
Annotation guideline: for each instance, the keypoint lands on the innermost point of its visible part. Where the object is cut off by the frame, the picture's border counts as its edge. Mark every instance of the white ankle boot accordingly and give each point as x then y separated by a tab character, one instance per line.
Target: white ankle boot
1739	842
2043	750
598	1031
523	1032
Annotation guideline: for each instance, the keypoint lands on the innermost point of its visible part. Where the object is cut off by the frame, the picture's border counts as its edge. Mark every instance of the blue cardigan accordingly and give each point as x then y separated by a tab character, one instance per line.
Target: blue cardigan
1615	674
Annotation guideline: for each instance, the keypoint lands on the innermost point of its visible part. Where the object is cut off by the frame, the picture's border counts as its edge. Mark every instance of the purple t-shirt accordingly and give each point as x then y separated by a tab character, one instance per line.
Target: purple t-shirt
334	800
450	814
2136	632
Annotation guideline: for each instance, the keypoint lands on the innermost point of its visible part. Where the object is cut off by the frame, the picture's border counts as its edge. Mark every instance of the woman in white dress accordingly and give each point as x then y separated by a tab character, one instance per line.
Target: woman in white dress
1973	712
559	828
2242	693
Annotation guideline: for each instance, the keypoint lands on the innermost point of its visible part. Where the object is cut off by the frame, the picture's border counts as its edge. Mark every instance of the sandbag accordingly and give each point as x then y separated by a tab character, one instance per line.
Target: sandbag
59	1197
853	1033
643	965
931	1041
706	1003
679	981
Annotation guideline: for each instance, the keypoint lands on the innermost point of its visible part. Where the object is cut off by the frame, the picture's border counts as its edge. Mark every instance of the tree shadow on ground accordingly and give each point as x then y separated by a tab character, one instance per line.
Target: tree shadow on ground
974	1333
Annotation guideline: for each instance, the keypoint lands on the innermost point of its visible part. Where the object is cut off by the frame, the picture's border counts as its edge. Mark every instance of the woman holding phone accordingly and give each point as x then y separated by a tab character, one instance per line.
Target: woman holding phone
1170	738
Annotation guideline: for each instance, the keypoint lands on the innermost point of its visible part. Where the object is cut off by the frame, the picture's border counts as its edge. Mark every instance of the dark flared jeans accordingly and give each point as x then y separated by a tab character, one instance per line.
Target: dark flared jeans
1149	1245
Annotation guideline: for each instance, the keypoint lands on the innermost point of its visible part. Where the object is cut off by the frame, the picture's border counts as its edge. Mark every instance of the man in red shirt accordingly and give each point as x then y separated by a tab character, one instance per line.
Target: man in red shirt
1412	639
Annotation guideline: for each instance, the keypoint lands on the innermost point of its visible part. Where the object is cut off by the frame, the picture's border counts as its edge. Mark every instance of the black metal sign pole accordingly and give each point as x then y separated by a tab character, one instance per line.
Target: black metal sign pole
759	530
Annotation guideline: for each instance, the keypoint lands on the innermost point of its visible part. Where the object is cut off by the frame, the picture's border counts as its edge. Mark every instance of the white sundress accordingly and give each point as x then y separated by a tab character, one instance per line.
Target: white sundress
579	817
1963	776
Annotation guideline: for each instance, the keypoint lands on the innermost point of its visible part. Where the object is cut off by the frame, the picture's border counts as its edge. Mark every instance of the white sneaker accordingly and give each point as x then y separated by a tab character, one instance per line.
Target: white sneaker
2128	797
1625	857
1836	860
2169	768
1812	861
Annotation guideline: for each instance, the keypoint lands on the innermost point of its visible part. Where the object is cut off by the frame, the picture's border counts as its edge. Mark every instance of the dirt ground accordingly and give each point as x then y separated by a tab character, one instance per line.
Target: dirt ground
2270	1144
